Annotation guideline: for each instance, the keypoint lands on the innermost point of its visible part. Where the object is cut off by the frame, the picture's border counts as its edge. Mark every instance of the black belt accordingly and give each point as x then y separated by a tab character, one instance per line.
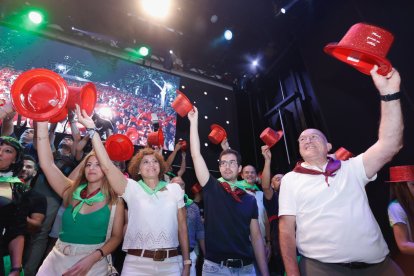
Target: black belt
233	263
355	265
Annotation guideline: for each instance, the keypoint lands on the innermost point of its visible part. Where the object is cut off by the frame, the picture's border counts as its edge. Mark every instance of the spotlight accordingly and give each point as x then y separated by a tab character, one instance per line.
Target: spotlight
228	35
255	63
144	51
156	8
282	10
171	52
35	17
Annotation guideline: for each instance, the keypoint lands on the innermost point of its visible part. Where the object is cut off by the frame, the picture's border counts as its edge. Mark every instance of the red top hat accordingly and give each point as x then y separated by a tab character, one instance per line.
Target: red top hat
182	104
217	134
183	144
84	96
401	173
343	154
362	47
271	137
196	188
39	94
132	134
156	138
119	147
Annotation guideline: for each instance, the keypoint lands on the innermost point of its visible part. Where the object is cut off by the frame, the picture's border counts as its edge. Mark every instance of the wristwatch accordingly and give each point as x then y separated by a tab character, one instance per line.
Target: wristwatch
187	262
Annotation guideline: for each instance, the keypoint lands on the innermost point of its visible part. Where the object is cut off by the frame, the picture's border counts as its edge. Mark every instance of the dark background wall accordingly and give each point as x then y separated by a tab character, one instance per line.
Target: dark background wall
330	95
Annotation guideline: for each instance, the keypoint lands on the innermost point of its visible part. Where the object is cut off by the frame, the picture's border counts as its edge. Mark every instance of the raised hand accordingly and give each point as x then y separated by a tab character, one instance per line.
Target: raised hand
193	115
266	152
84	118
388	84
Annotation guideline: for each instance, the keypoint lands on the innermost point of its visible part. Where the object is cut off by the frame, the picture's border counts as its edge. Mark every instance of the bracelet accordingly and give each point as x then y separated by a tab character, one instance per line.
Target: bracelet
19	269
187	262
391	97
91	131
102	254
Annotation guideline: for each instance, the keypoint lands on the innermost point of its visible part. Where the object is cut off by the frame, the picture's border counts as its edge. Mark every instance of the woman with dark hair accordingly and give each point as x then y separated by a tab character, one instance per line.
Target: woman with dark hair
13	204
401	214
84	240
156	212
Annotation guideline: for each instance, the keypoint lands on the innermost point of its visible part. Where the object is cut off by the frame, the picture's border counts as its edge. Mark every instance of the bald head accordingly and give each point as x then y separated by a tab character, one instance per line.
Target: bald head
313	146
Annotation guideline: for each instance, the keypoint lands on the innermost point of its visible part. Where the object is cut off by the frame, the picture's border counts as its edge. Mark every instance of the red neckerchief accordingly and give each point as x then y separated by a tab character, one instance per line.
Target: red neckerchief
331	168
235	194
84	194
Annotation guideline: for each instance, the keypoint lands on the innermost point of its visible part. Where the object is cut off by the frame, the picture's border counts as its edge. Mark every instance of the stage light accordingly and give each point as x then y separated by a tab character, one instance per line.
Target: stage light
255	63
171	52
144	51
35	17
228	35
282	10
156	8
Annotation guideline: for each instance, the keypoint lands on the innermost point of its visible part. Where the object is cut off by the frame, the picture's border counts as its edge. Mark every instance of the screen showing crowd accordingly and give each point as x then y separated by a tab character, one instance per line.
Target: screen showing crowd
129	95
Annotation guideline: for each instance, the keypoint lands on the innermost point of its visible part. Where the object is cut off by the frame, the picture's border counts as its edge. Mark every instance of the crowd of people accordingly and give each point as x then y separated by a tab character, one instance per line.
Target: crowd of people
71	211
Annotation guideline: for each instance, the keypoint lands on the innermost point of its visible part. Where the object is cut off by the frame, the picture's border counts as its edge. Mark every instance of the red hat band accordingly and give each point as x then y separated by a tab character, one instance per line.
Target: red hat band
119	147
39	94
182	104
401	173
343	154
271	137
217	134
362	47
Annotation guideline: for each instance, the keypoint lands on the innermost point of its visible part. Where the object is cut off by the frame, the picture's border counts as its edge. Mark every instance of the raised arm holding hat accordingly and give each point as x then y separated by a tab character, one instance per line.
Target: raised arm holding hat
323	206
233	238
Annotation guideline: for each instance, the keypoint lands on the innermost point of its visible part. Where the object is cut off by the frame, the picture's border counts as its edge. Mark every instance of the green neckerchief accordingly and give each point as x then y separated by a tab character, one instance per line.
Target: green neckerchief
187	200
170	174
249	186
15	182
161	185
238	184
10	179
76	195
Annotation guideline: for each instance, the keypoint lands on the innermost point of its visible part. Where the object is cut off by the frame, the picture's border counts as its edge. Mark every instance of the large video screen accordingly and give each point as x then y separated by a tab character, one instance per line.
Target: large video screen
129	95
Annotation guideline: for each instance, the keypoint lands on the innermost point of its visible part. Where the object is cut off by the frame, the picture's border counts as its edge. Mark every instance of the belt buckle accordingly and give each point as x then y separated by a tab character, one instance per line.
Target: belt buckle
159	255
68	248
234	263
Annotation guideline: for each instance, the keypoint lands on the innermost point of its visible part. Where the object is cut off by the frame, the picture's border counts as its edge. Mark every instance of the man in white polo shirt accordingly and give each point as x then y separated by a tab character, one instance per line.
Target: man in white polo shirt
323	206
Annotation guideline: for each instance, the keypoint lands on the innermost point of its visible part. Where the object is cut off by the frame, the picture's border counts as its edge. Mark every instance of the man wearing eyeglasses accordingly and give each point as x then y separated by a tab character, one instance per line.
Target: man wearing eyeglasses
323	206
232	234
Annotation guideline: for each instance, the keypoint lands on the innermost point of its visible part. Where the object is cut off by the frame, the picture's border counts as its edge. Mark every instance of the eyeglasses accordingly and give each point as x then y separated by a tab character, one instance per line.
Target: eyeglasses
230	163
312	138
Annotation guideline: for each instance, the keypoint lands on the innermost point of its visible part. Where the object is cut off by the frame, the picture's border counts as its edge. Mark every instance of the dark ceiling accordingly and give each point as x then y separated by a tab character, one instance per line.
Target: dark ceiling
194	30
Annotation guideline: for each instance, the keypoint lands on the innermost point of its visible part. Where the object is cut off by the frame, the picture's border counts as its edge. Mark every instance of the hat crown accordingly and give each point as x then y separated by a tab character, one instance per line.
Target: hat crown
370	38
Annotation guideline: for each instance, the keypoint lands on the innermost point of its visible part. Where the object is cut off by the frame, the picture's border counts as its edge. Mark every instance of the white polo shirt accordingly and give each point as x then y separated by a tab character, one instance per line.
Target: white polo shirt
333	224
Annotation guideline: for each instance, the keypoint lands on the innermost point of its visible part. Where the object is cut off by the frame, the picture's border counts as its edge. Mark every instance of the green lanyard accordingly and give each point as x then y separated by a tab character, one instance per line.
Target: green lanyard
161	185
76	195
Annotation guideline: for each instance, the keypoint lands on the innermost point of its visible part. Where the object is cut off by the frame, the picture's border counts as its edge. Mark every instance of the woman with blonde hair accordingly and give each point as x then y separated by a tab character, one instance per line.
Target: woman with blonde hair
156	212
85	239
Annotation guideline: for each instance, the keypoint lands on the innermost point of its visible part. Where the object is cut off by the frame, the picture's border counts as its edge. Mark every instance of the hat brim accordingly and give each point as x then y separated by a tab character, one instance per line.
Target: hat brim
26	106
127	150
361	60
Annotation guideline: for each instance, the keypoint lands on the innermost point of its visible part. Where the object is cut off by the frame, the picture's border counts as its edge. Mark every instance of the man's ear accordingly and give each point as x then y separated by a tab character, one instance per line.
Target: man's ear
240	168
329	146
